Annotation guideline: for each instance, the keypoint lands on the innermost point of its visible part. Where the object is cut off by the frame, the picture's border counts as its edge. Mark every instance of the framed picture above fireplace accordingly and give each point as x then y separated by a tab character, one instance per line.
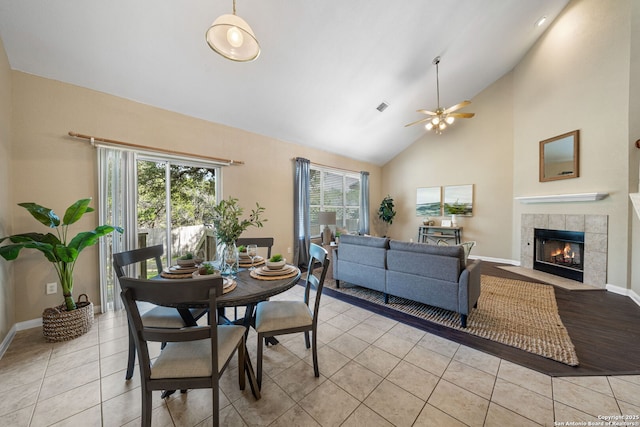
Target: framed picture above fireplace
559	157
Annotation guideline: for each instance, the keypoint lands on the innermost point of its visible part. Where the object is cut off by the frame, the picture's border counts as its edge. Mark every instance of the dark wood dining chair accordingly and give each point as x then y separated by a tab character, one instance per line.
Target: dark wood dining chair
261	242
194	356
287	317
159	316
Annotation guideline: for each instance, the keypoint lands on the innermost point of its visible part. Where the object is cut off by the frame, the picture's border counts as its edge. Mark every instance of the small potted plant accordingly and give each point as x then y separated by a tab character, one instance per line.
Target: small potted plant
207	268
276	262
65	321
186	260
242	251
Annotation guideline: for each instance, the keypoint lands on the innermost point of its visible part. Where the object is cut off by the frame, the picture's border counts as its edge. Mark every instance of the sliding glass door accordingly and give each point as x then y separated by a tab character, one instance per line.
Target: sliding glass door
174	200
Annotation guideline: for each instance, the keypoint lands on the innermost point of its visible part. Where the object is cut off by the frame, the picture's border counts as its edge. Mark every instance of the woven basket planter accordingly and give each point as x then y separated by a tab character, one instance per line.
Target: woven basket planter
58	324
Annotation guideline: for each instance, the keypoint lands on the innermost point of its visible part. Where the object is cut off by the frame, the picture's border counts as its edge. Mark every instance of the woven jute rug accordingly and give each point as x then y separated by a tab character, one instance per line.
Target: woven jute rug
512	312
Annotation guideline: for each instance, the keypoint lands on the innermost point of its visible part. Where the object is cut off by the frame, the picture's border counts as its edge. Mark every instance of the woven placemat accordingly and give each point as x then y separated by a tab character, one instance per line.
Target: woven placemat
228	288
517	313
256	275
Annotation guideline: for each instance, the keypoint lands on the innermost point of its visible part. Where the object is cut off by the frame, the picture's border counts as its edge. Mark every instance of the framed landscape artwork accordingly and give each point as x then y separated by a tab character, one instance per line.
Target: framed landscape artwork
428	201
458	200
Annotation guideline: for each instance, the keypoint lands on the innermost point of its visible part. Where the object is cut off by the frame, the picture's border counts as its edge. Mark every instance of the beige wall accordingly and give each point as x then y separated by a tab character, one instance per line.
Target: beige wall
55	170
7	311
581	74
577	77
476	151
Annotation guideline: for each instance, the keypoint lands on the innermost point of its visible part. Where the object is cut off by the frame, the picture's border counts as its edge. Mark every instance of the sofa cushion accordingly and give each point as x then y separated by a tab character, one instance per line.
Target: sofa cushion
424	248
375	242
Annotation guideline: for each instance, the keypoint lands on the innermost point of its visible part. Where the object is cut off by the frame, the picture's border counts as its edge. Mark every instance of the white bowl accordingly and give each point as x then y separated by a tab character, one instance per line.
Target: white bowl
275	265
186	262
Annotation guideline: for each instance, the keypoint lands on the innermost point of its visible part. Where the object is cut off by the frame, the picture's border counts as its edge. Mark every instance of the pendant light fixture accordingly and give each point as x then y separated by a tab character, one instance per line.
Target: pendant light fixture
233	38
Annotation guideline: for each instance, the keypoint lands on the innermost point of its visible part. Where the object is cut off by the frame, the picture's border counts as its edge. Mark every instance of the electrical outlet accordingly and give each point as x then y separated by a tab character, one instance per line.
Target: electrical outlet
52	288
289	250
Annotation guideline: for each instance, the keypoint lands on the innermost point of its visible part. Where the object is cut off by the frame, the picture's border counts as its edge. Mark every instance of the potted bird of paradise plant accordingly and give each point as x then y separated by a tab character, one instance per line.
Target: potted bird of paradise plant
65	321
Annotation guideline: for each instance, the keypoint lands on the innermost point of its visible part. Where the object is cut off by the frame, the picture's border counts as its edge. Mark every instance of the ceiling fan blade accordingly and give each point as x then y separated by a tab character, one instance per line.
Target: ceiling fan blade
457	107
427	112
426	119
462	115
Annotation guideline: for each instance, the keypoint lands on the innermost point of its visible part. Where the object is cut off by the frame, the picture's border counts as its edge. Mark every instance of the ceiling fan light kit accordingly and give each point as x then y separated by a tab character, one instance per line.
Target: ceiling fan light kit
441	117
233	38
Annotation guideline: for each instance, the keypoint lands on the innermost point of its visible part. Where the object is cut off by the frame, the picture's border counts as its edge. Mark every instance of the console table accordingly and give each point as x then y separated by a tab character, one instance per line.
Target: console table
432	234
330	254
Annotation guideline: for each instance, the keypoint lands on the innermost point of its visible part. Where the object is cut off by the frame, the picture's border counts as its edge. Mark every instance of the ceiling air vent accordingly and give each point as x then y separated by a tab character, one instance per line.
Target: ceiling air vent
383	106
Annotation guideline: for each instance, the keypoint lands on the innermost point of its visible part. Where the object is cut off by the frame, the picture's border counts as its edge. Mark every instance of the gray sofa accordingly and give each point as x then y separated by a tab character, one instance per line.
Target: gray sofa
433	275
361	260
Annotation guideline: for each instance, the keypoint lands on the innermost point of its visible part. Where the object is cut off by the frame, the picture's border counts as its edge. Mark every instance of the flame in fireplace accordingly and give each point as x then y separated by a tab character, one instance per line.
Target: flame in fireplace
565	253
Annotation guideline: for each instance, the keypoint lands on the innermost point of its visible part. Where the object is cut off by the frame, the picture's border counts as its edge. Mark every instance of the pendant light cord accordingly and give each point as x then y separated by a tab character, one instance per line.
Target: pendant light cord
435	61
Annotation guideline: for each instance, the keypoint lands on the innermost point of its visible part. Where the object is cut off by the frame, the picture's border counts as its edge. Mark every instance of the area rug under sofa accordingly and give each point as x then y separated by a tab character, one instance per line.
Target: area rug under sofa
517	313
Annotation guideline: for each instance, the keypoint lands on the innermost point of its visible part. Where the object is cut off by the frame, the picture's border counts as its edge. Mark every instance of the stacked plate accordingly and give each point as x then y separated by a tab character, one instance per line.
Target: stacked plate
246	261
264	273
178	272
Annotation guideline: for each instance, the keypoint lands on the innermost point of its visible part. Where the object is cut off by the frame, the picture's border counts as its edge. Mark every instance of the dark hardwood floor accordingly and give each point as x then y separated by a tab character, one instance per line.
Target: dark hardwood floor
604	328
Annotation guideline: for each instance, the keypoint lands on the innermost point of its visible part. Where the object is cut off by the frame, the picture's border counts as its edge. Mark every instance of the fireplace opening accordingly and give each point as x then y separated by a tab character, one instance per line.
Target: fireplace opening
559	252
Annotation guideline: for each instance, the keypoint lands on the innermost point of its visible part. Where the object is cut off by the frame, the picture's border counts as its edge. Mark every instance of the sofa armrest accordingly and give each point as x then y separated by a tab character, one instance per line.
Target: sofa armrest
469	286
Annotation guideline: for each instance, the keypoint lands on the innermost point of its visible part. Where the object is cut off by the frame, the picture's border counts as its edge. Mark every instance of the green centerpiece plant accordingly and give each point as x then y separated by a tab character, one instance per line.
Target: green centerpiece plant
228	228
227	222
57	248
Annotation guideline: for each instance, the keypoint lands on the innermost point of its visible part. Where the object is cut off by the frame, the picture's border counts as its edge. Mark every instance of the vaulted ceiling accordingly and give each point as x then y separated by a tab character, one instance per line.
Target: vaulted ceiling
324	68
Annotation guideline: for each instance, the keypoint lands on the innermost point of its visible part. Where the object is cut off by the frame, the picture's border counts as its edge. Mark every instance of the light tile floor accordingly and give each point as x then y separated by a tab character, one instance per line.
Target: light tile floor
374	372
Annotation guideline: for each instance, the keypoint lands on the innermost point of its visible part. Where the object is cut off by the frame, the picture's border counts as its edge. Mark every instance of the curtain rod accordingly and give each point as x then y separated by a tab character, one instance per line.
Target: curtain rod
158	150
330	167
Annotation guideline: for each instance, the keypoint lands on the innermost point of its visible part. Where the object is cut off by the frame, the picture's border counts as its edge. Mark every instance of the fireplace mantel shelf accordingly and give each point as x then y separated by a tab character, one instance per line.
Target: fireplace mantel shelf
559	198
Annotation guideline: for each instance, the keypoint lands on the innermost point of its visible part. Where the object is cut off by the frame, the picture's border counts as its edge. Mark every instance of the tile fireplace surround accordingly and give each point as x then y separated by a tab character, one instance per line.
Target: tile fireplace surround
595	228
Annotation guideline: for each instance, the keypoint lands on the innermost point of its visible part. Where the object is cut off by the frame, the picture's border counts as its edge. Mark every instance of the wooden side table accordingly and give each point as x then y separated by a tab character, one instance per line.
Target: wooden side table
431	234
330	254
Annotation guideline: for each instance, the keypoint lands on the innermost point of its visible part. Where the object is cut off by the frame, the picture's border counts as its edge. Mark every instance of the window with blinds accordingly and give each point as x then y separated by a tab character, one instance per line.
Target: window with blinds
336	191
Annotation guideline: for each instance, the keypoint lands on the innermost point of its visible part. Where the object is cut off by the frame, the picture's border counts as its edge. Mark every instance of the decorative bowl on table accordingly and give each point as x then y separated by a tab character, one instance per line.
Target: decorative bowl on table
186	262
275	265
206	269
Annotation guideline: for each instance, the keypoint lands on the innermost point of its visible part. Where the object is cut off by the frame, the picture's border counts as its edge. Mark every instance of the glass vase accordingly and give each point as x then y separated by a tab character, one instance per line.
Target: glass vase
228	259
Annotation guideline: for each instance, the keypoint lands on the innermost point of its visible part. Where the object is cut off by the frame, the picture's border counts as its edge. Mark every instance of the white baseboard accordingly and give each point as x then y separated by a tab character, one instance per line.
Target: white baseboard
624	291
498	260
27	324
4	346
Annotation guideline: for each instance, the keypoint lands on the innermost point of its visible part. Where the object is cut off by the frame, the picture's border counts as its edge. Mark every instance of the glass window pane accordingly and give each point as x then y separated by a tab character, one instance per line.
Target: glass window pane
314	187
192	192
332	189
152	210
352	191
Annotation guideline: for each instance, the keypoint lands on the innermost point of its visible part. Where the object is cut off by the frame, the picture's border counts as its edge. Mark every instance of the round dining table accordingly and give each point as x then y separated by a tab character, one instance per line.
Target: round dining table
248	292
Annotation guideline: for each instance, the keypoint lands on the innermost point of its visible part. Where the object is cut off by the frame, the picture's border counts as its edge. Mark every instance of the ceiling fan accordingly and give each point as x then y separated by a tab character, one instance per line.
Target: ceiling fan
441	118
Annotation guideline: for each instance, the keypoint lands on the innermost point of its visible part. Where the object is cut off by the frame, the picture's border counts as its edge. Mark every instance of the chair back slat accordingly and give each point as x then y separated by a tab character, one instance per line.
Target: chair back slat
123	259
318	256
172	292
261	242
